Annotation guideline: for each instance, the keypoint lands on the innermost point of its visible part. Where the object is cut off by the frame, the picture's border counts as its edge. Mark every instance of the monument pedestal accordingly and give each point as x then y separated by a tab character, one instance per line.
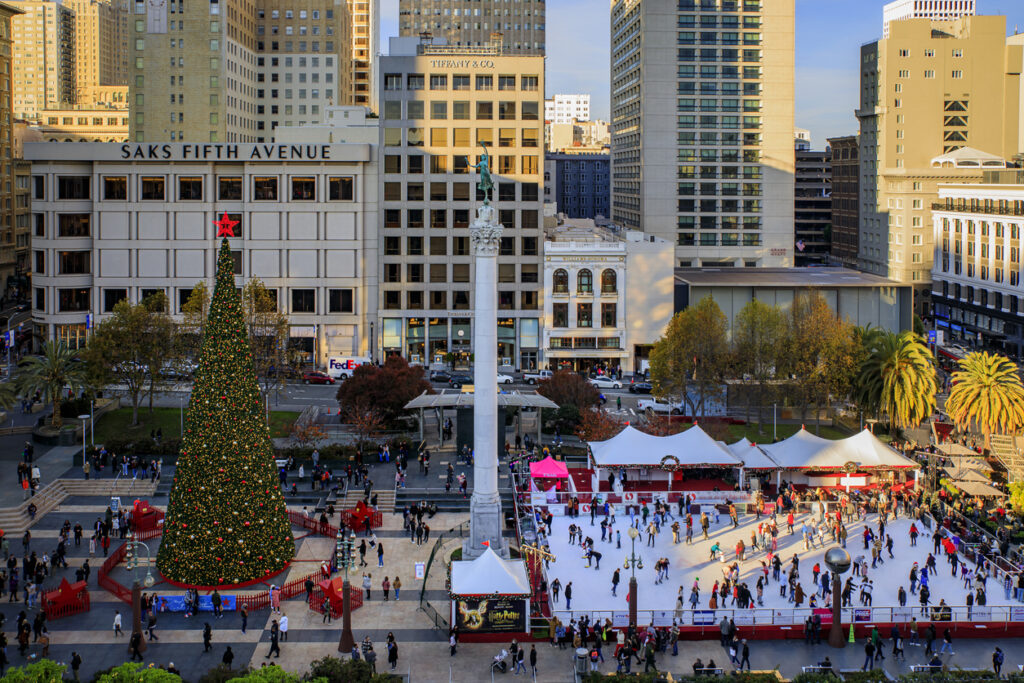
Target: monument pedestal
486	523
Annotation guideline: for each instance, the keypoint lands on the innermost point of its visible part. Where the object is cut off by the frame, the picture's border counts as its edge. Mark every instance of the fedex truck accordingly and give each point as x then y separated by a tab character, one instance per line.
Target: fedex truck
342	368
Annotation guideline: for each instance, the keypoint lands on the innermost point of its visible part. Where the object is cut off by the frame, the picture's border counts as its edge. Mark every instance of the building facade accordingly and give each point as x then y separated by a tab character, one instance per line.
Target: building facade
813	207
976	278
579	184
365	46
567	108
941	10
702	127
101	47
122	221
608	296
472	23
44	57
13	225
235	71
78	124
439	105
929	89
577	137
845	199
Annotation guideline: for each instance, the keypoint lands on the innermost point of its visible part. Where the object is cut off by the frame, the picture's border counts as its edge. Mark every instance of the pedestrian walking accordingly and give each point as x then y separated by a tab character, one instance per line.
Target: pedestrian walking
947	642
745	658
207	637
228	657
245	616
393	654
380	554
386	586
533	660
397	585
997	661
568	595
283	626
134	643
275	634
151	625
869	656
76	664
117	624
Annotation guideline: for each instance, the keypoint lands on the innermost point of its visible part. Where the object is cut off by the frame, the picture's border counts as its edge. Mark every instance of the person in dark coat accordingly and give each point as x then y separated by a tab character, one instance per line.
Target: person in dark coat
229	657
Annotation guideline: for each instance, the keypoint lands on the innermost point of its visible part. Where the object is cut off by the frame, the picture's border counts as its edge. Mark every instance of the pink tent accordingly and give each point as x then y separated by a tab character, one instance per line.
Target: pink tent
549	468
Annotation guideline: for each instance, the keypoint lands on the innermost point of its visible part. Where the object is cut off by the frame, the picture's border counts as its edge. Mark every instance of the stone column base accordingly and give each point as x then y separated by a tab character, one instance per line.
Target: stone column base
485	524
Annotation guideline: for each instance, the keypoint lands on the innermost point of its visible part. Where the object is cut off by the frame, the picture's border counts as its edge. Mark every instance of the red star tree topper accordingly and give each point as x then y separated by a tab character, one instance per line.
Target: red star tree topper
225	226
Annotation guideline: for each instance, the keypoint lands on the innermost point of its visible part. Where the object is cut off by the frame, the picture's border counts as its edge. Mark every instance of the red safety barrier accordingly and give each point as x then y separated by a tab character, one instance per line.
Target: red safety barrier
67	599
355	599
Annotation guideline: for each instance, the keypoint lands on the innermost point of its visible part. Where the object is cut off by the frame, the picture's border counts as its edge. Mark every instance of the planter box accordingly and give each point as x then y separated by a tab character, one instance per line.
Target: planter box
36	408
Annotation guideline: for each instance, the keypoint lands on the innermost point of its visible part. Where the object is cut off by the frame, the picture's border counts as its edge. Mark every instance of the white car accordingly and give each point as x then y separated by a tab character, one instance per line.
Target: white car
606	383
659	406
505	379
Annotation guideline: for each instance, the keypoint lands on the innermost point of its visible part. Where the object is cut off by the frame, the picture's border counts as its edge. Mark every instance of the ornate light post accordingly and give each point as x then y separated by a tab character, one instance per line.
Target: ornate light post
132	564
633	562
838	562
345	553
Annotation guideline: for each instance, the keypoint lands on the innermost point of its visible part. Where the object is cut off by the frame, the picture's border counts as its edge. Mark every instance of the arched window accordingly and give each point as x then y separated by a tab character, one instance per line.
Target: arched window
561	281
585	282
608	281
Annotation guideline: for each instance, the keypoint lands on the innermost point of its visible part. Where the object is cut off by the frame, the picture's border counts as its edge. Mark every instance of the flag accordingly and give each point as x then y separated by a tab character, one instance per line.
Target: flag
486	543
800	245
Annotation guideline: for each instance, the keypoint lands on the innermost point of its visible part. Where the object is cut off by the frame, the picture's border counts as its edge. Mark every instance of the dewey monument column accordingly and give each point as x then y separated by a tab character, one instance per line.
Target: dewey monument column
485	521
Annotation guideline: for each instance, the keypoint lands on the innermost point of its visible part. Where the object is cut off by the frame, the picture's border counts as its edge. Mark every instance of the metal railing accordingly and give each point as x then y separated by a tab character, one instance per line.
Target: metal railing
440	622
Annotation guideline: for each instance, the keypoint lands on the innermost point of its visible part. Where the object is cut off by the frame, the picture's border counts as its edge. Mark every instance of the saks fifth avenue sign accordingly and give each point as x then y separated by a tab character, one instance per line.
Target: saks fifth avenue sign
225	152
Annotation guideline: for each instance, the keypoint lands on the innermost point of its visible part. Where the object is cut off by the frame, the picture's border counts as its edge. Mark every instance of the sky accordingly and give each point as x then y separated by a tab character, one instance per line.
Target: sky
826	58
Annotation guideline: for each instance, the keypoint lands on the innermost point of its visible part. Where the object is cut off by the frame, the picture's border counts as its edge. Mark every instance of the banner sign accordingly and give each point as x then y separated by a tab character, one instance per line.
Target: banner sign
703	617
981	614
175	602
1017	614
620	619
718	497
744	618
662	618
825	614
491	616
902	613
419	570
862	614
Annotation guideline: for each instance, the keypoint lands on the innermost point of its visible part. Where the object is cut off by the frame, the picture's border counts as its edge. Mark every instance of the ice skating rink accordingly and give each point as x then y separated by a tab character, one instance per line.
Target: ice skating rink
592	588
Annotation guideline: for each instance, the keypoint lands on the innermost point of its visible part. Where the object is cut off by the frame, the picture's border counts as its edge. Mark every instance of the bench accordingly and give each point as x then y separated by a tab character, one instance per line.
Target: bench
926	668
818	670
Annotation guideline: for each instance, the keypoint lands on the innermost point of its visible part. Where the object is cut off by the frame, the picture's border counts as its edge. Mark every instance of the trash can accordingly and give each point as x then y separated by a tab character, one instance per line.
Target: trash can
582	655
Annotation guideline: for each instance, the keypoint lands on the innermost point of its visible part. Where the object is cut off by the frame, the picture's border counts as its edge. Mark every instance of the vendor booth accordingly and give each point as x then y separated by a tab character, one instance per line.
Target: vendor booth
490	595
757	466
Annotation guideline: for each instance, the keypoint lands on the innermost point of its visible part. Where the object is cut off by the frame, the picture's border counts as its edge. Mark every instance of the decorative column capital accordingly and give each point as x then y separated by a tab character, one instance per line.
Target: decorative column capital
485	232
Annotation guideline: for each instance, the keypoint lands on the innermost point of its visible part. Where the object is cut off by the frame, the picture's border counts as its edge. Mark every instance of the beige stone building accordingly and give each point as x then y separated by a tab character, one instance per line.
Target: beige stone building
583	137
234	71
471	23
365	46
44	57
12	195
928	90
78	124
101	47
439	105
702	127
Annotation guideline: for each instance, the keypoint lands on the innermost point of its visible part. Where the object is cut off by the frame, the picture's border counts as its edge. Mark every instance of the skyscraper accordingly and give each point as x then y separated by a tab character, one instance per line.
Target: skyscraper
567	108
702	119
233	71
44	57
101	48
939	101
365	39
845	199
13	253
470	23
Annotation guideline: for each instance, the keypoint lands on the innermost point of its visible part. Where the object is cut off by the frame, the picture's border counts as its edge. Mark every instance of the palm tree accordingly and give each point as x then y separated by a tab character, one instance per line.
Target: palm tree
897	377
987	389
51	374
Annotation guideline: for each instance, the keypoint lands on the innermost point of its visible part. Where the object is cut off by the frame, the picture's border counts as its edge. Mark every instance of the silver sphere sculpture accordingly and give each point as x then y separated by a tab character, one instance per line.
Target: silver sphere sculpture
838	560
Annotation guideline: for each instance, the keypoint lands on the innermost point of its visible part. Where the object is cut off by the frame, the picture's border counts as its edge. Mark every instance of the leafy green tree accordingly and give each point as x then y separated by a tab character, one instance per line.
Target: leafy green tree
691	358
987	391
135	672
334	670
1017	496
268	335
43	671
271	674
897	378
760	337
189	338
52	373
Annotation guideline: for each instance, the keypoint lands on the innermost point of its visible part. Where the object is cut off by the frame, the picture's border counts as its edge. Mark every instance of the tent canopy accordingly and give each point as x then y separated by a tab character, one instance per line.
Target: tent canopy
549	468
633	448
976	488
752	456
804	450
965	474
489	575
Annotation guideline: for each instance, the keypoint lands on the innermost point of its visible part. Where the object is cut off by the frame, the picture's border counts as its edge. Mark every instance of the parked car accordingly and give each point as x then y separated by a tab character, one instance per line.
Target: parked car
606	383
456	381
639	387
534	377
440	376
316	377
659	406
505	379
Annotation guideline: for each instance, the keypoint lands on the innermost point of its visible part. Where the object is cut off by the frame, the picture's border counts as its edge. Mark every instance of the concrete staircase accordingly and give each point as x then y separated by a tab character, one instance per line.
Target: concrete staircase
16	520
385	499
1005	449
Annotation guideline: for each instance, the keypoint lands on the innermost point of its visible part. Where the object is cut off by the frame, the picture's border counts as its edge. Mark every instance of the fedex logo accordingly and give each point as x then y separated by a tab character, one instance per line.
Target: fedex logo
343	364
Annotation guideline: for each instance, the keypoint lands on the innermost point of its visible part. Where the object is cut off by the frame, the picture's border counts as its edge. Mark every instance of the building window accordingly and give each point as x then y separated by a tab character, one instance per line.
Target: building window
73	300
39	302
115	188
303	189
303	301
112	297
584	315
585	282
229	188
74	262
608	281
608	315
190	188
560	315
73	224
153	188
265	189
73	187
341	189
340	301
507	82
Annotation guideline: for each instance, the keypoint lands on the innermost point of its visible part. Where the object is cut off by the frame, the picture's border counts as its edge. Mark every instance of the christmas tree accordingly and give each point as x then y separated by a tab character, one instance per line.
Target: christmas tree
226	521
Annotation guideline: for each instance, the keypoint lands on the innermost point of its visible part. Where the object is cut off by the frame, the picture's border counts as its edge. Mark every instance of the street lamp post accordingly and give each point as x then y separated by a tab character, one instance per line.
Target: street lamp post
345	554
838	561
85	429
633	562
132	563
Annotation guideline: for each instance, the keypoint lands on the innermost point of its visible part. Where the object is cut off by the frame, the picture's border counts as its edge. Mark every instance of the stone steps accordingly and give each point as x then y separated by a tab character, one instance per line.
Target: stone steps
15	520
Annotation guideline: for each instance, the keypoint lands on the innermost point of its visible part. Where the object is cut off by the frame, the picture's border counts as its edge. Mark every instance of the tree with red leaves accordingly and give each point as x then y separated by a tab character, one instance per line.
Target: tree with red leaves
384	389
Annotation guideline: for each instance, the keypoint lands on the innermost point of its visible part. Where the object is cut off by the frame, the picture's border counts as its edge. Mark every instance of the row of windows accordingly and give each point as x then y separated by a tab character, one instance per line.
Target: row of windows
584	315
190	188
438	192
78	300
461	110
584	281
438	300
414	218
460	272
393	82
438	246
528	164
711	239
460	137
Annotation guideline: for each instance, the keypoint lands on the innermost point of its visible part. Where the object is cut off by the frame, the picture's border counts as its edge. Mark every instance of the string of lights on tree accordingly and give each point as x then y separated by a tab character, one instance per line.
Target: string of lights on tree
226	522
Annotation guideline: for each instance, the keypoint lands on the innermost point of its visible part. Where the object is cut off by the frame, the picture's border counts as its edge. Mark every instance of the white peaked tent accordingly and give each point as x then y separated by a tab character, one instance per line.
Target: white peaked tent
633	448
805	451
489	575
752	456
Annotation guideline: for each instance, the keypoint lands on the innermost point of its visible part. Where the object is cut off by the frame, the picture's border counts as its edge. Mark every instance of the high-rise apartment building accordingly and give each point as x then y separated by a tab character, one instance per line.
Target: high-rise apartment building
813	206
44	57
702	127
101	47
439	106
9	205
234	71
567	108
471	23
930	89
845	199
942	10
365	40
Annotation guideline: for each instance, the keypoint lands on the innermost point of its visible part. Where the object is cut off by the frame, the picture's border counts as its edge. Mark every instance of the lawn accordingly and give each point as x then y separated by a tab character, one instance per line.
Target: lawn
117	423
783	431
